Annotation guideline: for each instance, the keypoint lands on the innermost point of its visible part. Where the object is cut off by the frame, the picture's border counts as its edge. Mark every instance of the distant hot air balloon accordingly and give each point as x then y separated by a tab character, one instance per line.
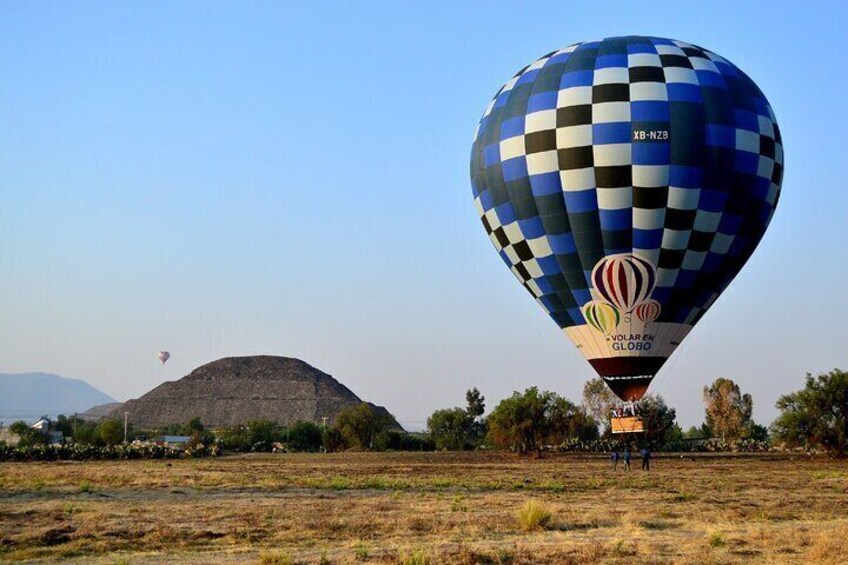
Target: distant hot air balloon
163	356
625	182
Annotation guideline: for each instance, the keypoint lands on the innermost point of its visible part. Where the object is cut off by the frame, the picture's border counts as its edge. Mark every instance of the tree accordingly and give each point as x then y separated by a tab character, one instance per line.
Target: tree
111	432
675	434
598	401
64	424
194	425
86	433
521	422
476	403
198	432
449	428
256	435
569	421
455	428
758	433
475	407
728	411
236	438
305	436
525	422
360	424
262	434
817	415
397	440
700	432
659	420
333	440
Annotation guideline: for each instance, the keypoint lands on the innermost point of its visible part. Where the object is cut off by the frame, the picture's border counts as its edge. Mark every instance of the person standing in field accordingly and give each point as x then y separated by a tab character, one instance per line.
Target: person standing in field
614	458
627	458
646	459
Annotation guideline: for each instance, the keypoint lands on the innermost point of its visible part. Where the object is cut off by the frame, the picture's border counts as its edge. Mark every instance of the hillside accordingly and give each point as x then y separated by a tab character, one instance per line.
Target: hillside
234	390
45	393
101	411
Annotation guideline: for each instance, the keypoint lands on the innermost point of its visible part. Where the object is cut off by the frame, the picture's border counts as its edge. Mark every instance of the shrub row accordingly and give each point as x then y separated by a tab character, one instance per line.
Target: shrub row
78	452
713	445
716	445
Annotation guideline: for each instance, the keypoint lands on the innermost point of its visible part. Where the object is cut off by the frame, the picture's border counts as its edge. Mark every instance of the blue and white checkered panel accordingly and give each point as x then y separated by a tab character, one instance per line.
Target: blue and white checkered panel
650	113
524	256
634	144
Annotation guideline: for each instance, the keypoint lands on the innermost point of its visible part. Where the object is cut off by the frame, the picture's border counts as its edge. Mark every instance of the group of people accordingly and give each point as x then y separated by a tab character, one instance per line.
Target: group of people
646	459
626	410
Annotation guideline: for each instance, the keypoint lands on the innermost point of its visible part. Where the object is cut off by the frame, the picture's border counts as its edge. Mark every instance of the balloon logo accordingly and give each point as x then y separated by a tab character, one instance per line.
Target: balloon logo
624	280
625	183
648	311
163	356
602	316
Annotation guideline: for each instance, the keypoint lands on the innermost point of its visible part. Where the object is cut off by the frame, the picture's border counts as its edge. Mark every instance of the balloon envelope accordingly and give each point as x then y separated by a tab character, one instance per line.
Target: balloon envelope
163	356
625	182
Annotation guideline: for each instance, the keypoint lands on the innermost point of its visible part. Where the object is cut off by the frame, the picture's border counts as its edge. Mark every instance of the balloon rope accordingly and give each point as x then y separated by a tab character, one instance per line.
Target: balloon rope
674	357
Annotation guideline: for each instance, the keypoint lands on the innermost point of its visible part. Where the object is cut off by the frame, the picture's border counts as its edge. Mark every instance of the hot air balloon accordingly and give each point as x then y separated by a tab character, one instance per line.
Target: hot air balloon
163	356
625	182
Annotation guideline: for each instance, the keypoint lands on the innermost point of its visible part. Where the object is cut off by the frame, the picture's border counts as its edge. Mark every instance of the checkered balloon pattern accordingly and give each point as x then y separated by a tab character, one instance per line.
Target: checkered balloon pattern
651	149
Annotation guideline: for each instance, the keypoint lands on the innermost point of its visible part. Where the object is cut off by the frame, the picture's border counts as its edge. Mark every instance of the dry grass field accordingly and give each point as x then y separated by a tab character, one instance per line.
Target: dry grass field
417	508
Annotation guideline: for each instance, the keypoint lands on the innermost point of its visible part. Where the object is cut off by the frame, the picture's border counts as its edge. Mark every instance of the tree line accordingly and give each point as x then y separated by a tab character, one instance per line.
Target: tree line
815	417
356	427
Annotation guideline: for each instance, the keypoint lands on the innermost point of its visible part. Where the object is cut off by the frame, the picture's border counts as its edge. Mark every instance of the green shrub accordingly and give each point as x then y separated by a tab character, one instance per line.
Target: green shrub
716	539
396	440
361	551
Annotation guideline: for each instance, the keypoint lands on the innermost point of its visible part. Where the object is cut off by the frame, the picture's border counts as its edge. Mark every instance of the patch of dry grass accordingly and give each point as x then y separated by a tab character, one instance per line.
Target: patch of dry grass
453	508
830	546
275	558
533	516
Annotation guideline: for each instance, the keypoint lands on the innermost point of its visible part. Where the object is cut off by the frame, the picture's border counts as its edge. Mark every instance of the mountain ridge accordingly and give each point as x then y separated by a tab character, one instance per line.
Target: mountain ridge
47	393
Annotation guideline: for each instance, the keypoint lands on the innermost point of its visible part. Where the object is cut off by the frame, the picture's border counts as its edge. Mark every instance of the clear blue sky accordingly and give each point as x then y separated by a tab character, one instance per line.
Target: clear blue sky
292	178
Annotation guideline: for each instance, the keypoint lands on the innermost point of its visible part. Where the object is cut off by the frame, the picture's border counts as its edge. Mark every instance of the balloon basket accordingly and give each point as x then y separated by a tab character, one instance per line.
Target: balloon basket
627	425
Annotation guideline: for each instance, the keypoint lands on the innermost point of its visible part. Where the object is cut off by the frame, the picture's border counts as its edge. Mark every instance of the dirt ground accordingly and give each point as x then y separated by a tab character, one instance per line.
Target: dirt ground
420	508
